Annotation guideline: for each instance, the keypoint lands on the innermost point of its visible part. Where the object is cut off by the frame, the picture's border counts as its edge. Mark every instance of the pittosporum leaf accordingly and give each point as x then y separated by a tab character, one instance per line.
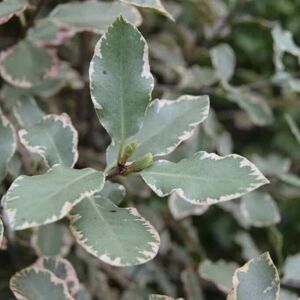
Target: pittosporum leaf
10	8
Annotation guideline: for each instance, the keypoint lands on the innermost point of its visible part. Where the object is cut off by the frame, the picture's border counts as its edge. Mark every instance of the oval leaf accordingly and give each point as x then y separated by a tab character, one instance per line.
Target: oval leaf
258	279
33	62
35	283
54	138
291	271
8	143
121	82
36	200
117	236
10	8
206	178
95	16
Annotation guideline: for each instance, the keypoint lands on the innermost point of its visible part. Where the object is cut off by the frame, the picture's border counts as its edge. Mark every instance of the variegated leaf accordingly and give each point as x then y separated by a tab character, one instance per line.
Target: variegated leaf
192	286
219	273
287	295
8	143
34	283
33	62
120	78
115	192
62	269
206	178
52	240
54	138
260	209
117	236
36	200
10	8
223	59
167	123
95	16
162	297
154	4
180	208
249	249
258	279
27	112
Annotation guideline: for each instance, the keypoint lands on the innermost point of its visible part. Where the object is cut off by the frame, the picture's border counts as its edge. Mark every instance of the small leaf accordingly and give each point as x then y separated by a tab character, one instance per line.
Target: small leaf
260	209
167	123
8	143
162	297
62	269
27	112
287	295
10	8
180	208
291	271
1	231
33	62
223	59
255	106
54	138
117	236
290	179
249	249
42	199
258	279
115	192
205	178
51	240
293	127
220	273
95	16
154	4
35	283
121	82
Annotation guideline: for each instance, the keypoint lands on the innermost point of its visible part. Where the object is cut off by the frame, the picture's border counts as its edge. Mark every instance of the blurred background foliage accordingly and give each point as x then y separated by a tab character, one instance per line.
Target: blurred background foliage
256	126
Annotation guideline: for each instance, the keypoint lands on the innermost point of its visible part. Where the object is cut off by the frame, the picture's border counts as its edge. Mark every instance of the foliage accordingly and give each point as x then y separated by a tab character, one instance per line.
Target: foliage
159	137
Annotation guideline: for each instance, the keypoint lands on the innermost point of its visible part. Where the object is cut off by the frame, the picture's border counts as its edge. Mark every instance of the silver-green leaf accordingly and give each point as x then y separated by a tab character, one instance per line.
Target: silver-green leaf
8	143
120	80
117	236
258	279
95	16
36	283
291	271
36	200
54	138
206	178
10	8
33	64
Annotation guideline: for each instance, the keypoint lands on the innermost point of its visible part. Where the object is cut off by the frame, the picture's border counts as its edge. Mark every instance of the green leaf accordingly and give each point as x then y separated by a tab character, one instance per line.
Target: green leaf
62	269
10	8
95	16
254	105
27	112
180	208
291	271
293	127
8	143
115	192
223	59
35	283
54	138
36	200
290	179
25	64
154	4
206	178
220	273
162	297
1	231
258	279
117	236
51	240
120	78
287	295
260	209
